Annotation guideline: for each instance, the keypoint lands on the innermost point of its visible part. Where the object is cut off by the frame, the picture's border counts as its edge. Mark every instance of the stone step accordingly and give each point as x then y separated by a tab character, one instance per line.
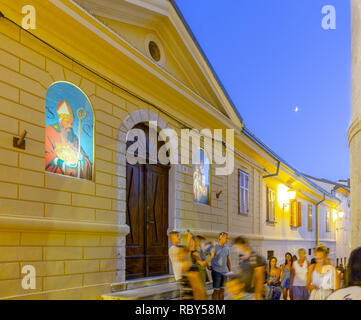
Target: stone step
164	291
142	282
154	291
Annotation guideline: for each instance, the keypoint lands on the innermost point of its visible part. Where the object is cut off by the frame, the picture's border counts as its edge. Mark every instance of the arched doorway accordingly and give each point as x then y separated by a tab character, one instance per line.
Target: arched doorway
147	217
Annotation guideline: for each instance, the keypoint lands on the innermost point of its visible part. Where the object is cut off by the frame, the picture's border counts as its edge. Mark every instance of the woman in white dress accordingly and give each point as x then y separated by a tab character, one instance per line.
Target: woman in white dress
322	277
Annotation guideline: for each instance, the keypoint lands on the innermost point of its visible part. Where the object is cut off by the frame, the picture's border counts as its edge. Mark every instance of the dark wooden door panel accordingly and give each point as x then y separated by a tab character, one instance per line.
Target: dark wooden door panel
147	217
135	240
135	267
156	220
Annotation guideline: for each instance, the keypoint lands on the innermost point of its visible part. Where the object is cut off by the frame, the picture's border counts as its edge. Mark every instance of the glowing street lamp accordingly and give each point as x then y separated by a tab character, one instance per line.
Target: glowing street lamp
284	195
334	215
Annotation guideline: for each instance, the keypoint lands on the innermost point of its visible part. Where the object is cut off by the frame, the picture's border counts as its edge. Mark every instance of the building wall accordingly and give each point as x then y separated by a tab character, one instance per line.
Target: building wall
342	225
72	231
343	229
327	238
354	133
282	238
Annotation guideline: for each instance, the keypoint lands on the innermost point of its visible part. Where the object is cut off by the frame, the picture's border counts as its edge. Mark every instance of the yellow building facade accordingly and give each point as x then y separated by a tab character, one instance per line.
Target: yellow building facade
75	231
354	130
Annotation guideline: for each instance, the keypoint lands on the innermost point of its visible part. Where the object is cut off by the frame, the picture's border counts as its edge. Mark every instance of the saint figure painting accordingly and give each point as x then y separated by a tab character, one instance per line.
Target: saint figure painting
201	178
69	132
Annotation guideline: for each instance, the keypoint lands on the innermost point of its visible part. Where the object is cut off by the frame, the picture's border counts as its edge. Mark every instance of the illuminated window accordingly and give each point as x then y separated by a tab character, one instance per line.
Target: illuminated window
310	217
201	178
243	190
69	132
271	198
296	214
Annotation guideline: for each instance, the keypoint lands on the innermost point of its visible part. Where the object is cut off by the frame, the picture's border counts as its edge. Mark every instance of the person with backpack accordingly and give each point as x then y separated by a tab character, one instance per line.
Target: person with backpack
251	270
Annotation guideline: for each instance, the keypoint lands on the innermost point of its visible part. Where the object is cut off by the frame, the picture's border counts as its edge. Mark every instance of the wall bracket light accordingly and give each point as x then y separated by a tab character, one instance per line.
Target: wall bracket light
20	142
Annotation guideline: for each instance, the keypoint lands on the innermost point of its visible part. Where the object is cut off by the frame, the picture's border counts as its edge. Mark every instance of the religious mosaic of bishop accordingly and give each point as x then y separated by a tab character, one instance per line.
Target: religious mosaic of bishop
69	132
201	178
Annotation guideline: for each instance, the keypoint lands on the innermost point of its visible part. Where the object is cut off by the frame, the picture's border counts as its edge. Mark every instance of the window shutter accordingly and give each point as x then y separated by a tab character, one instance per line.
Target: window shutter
246	201
273	198
267	204
299	214
291	213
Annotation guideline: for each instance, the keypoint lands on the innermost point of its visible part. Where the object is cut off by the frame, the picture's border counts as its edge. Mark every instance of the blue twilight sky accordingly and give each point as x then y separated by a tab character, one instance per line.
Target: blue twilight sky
273	56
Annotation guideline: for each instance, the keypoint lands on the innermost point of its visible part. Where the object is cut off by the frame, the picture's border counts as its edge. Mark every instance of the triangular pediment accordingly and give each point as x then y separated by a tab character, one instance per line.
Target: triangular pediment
140	21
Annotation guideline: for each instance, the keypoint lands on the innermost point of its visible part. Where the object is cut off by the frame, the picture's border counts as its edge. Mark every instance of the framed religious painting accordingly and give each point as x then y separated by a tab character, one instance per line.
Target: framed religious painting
69	132
201	177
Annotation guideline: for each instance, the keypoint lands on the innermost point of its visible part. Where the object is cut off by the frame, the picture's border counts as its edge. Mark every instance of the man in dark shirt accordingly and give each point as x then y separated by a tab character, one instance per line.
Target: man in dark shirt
251	270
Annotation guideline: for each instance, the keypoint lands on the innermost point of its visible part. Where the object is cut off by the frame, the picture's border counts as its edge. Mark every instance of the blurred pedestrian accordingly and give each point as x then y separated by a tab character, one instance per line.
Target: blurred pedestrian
251	270
174	237
199	255
273	280
341	272
352	291
234	287
191	285
322	278
298	283
220	265
286	269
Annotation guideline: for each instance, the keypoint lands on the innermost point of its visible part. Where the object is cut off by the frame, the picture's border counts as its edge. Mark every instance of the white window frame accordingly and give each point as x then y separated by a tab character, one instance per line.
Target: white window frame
243	192
271	205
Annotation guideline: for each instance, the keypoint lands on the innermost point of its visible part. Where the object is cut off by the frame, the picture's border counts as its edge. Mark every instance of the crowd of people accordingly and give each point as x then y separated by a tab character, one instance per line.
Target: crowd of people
255	279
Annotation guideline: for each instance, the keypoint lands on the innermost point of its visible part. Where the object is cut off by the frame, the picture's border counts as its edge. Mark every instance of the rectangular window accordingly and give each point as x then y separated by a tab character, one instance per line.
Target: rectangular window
310	217
328	221
243	190
271	198
296	214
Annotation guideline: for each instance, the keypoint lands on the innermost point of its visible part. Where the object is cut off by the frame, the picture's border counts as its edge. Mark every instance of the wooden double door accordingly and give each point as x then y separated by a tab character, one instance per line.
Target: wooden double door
147	217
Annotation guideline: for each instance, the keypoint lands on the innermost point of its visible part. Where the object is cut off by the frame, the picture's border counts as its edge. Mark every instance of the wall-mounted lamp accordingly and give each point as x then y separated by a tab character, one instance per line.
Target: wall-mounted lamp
284	195
20	142
218	194
334	214
337	214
